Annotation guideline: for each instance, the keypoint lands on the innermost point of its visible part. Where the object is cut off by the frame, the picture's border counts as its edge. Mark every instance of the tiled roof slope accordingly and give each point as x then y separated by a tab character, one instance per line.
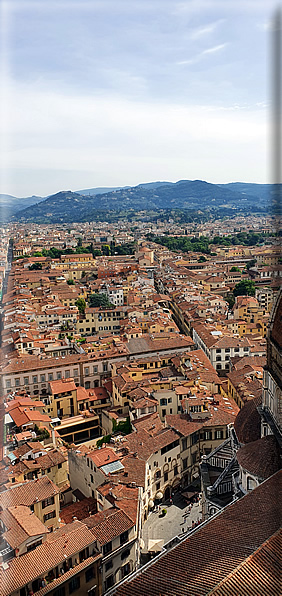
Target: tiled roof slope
261	458
201	561
48	555
262	568
248	422
27	494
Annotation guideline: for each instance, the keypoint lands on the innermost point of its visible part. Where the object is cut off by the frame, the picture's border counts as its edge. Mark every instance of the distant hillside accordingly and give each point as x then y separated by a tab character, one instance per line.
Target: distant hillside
262	191
104	189
9	205
68	206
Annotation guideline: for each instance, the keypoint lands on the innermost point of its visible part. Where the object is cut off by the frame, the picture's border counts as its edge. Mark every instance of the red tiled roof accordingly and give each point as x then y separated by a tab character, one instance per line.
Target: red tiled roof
247	424
262	568
261	458
28	493
103	456
22	570
199	563
107	525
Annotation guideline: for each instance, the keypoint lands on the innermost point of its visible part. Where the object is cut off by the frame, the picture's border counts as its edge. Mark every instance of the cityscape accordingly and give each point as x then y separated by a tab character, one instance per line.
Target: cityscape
141	402
140	298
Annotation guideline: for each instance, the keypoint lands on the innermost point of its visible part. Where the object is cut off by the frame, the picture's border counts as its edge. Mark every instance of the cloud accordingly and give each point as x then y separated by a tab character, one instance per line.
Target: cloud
205	30
214	49
199	56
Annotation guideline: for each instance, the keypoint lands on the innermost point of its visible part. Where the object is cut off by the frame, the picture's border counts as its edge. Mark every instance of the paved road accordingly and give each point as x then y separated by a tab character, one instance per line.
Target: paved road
176	521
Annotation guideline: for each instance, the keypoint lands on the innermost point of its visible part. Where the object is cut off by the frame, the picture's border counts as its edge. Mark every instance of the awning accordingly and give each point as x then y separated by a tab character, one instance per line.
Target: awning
159	495
155	546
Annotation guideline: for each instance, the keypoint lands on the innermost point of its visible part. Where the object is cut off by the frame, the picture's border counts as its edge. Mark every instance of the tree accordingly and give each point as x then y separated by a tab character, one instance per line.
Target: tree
231	301
35	266
202	259
81	305
99	300
70	282
251	263
235	269
106	249
245	287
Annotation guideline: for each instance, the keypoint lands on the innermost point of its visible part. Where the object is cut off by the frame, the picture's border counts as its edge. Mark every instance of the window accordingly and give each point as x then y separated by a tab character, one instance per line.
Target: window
218	351
194	457
218	434
208	435
49	501
124	537
95	369
8	384
74	584
109	565
107	548
175	470
194	438
87	384
184	444
125	554
218	359
50	515
42	378
165	476
17	382
158	474
105	367
158	486
246	349
75	372
59	375
86	371
89	574
33	545
227	349
185	462
59	466
60	591
109	582
26	380
50	377
125	570
163	402
35	379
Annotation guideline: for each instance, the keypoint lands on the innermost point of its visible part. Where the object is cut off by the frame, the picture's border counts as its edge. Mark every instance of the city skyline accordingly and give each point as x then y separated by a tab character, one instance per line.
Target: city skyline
113	94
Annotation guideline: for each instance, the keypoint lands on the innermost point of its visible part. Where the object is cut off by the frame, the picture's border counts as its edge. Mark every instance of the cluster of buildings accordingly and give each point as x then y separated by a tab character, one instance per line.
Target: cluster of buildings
108	411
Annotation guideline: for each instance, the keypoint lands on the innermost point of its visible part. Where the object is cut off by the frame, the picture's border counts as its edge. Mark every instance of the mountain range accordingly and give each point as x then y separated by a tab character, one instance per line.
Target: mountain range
90	204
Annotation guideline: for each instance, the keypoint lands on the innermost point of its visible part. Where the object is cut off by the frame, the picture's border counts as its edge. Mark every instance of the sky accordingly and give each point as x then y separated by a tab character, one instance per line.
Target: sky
119	92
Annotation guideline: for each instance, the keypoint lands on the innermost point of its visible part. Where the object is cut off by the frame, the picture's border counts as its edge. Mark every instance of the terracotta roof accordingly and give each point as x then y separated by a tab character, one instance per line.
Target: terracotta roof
45	557
262	568
201	561
247	424
80	510
107	525
261	457
103	456
62	385
28	493
20	524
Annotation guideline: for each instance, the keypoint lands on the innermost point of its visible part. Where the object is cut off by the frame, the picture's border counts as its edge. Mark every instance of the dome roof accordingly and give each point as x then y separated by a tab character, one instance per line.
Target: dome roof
276	321
247	424
260	458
